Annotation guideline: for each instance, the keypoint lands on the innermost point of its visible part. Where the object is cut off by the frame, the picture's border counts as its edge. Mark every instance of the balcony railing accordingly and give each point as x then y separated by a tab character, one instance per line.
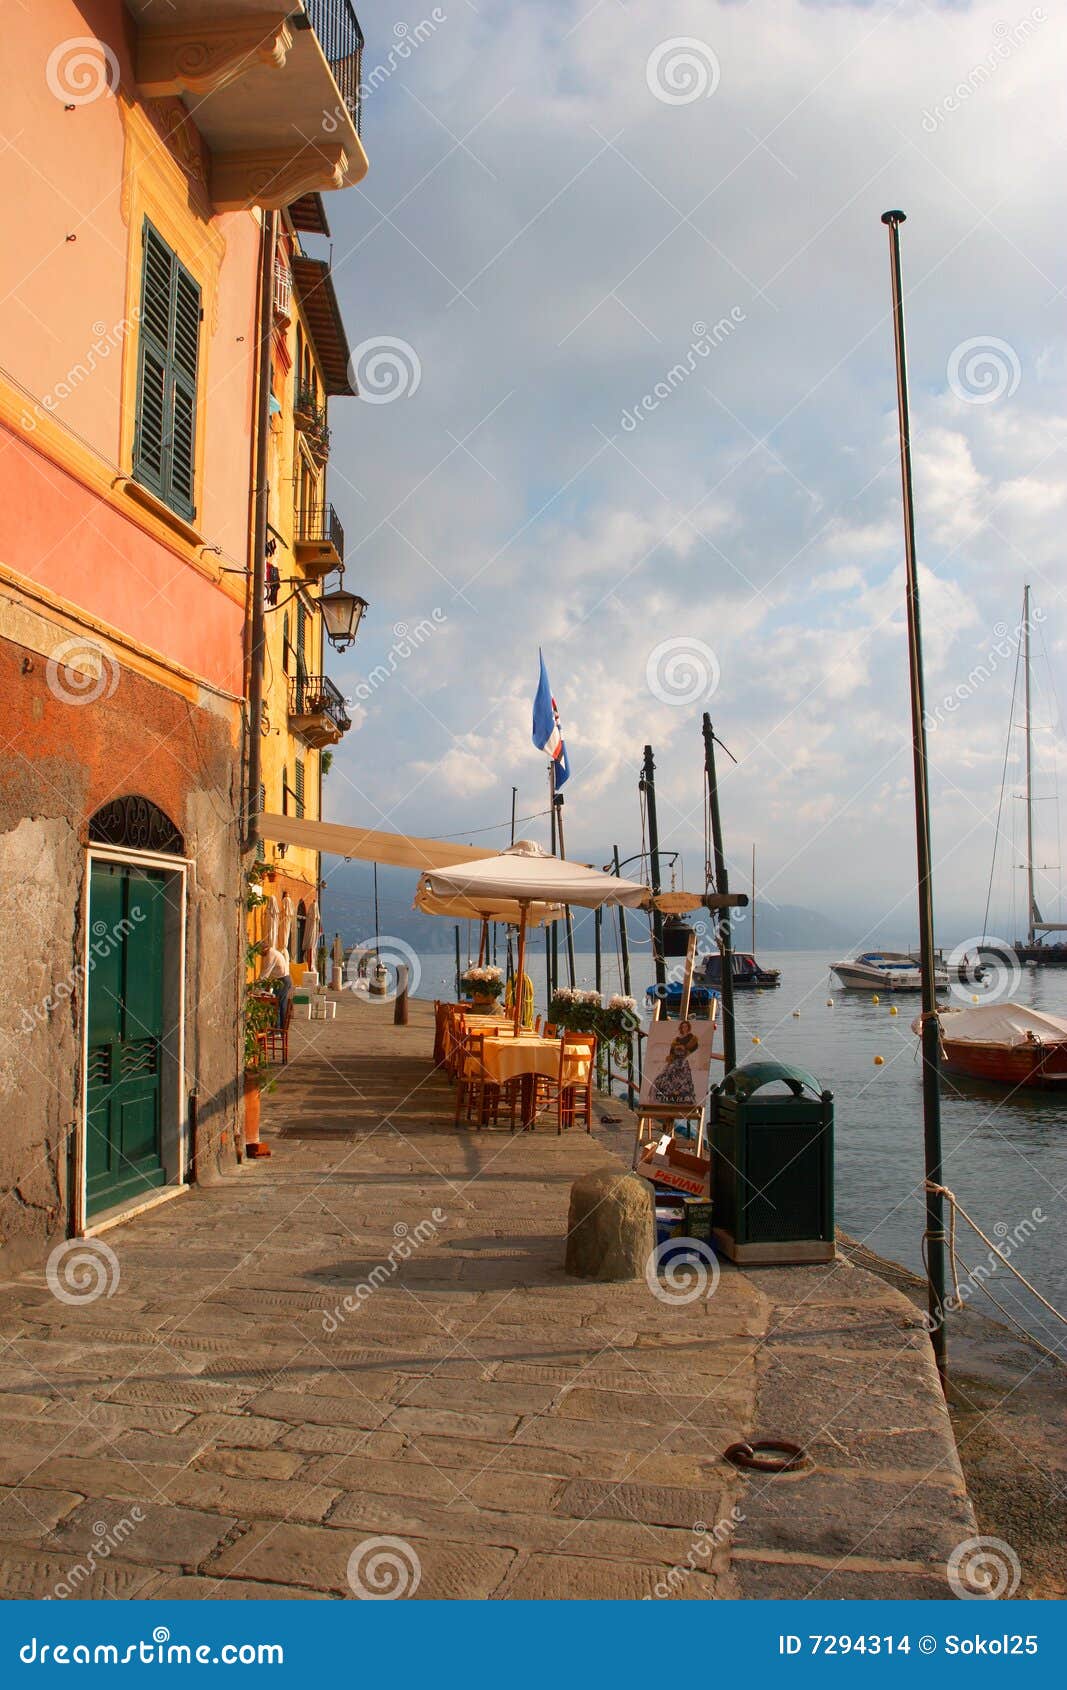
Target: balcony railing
316	696
341	39
310	419
283	291
321	526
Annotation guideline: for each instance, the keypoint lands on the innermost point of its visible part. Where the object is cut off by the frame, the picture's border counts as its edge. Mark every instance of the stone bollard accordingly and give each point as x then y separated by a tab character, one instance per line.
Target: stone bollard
400	1007
611	1227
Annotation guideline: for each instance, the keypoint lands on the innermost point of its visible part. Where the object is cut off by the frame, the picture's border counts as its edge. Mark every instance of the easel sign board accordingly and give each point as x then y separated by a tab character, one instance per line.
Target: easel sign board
668	1164
677	1066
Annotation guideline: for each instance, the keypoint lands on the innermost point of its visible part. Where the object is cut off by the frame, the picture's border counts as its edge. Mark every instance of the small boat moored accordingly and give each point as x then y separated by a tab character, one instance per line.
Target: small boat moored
886	971
746	972
1004	1042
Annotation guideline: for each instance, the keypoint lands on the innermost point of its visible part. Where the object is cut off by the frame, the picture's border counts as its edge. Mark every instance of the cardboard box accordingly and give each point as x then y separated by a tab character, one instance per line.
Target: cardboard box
668	1164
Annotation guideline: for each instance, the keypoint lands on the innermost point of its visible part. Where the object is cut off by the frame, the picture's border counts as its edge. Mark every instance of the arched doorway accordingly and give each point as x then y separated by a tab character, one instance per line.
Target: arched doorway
132	1142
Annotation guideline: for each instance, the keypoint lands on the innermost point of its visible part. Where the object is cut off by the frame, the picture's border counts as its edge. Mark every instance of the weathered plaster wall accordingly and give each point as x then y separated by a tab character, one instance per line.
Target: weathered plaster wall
64	760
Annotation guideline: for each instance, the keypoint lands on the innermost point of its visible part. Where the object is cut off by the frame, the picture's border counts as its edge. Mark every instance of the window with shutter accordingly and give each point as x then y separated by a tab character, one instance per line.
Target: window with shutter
164	444
285	791
261	805
300	786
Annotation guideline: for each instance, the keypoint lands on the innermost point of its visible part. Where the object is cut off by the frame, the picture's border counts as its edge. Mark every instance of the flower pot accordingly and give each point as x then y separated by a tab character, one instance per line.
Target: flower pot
253	1147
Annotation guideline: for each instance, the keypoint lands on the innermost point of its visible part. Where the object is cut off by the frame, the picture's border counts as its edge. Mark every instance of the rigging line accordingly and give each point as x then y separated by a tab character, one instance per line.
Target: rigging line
1003	782
470	832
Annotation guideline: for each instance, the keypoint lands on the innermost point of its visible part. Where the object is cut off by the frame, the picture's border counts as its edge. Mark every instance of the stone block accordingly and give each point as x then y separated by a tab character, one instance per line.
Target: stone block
611	1226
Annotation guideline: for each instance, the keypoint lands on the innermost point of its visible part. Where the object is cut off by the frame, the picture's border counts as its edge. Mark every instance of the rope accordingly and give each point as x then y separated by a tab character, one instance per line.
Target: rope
1003	783
956	1207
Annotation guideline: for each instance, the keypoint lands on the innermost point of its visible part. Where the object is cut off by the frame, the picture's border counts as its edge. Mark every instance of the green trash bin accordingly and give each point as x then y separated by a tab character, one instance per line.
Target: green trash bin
772	1167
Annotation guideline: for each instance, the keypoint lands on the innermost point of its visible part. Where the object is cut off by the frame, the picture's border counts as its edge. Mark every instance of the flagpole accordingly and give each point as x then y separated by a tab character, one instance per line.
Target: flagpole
550	926
566	907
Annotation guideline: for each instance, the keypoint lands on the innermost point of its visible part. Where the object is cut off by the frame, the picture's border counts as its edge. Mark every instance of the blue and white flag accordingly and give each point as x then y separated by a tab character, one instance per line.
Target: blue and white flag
546	734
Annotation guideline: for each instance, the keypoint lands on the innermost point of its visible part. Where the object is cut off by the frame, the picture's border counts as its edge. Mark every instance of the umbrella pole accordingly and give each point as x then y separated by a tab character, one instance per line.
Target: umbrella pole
520	979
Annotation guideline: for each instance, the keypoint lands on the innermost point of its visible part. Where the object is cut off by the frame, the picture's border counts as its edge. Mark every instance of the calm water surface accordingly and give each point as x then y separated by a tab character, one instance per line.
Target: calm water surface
1005	1156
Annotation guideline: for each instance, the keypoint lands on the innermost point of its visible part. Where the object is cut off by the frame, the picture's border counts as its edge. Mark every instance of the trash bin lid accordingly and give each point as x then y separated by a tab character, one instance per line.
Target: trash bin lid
742	1082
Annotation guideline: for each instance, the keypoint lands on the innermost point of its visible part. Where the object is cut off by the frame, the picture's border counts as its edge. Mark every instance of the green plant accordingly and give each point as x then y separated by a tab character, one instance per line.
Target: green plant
258	1015
326	762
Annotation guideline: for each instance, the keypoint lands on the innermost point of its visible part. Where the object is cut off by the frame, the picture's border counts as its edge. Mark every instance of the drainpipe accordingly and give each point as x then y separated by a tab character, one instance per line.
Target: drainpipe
259	538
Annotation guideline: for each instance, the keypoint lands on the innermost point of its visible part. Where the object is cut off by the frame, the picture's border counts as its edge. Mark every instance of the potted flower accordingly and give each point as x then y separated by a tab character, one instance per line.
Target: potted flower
483	985
575	1010
618	1022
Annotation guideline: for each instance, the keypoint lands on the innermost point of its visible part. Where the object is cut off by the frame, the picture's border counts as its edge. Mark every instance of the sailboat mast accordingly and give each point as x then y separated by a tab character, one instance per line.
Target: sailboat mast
1030	934
753	900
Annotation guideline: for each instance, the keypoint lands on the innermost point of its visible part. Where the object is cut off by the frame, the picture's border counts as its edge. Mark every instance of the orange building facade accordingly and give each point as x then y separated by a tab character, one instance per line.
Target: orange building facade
144	149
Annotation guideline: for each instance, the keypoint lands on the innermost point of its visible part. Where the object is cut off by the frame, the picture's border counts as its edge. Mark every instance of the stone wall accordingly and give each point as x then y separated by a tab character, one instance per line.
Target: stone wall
72	744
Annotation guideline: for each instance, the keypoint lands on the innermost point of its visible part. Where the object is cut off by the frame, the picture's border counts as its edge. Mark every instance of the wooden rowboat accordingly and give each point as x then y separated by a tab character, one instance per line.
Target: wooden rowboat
1005	1043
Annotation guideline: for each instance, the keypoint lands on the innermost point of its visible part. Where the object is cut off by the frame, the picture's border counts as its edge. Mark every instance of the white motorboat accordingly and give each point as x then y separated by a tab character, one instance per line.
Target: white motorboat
885	971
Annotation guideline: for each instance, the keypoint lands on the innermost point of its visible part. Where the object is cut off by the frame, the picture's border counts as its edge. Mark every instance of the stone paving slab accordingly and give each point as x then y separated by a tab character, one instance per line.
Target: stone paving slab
275	1385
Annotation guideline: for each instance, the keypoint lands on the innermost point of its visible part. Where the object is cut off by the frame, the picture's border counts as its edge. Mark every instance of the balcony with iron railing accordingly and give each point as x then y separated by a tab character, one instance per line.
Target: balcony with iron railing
283	292
319	542
317	710
273	96
341	39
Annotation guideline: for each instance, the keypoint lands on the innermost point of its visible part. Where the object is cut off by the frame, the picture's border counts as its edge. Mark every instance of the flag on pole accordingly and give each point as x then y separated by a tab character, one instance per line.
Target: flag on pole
546	734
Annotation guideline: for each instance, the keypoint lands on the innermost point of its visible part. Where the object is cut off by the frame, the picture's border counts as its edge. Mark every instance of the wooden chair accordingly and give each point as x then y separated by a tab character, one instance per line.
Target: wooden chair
455	1027
273	1042
574	1102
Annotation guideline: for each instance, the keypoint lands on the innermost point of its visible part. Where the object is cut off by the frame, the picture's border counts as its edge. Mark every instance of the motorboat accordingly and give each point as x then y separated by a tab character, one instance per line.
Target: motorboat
886	971
1004	1042
745	970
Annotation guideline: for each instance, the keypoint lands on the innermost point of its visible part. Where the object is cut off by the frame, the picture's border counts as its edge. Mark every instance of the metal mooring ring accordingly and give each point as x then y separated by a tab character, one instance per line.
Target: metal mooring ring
768	1455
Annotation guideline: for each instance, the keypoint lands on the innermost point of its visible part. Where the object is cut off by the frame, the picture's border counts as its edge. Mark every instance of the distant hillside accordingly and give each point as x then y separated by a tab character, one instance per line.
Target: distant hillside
348	909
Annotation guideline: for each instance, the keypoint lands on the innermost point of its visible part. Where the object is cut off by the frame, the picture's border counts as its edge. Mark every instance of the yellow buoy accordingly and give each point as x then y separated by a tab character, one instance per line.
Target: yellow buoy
879	1061
875	998
974	997
829	1003
755	1040
893	1009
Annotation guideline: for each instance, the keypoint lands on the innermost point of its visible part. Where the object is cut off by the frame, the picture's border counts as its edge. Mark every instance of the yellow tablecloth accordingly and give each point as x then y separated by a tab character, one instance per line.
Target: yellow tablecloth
513	1058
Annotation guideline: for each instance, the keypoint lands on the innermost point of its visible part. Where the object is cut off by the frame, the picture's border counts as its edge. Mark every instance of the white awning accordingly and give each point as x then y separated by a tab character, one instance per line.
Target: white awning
401	850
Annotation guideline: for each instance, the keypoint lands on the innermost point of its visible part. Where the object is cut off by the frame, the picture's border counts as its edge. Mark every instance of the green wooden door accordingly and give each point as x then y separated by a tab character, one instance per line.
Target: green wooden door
125	1009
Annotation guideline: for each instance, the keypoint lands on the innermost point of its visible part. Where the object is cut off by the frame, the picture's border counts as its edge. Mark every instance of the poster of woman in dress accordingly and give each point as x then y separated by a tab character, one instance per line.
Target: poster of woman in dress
677	1060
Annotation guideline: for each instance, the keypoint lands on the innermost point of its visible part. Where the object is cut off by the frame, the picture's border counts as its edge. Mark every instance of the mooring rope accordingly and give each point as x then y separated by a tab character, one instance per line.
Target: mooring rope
956	1207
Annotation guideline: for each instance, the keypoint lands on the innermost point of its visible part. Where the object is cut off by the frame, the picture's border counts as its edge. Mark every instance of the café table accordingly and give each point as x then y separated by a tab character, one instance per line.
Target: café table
527	1057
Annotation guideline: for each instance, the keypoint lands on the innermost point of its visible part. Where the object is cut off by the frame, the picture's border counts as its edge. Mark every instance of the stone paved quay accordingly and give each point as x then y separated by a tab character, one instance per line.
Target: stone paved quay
220	1426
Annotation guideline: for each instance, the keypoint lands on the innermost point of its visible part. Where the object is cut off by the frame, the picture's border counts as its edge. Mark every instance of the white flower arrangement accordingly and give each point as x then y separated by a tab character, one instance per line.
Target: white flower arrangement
622	1003
575	996
487	976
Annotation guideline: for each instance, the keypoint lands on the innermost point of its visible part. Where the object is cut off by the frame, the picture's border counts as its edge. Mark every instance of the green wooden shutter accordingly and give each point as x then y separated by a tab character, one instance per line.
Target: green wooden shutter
300	786
285	791
261	805
164	444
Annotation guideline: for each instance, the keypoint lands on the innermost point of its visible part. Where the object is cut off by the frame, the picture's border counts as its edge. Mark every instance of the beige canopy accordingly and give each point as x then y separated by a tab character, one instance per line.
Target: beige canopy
400	850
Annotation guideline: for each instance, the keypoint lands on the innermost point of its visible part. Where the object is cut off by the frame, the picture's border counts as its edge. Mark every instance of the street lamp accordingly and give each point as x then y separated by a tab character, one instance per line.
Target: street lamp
341	615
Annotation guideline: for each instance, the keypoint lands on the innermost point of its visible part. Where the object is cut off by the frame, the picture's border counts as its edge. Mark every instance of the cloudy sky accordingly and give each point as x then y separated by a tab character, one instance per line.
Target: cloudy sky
568	202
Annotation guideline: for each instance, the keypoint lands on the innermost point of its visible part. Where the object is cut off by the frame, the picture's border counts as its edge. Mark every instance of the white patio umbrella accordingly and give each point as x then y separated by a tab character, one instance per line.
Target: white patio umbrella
285	922
312	929
272	923
521	879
